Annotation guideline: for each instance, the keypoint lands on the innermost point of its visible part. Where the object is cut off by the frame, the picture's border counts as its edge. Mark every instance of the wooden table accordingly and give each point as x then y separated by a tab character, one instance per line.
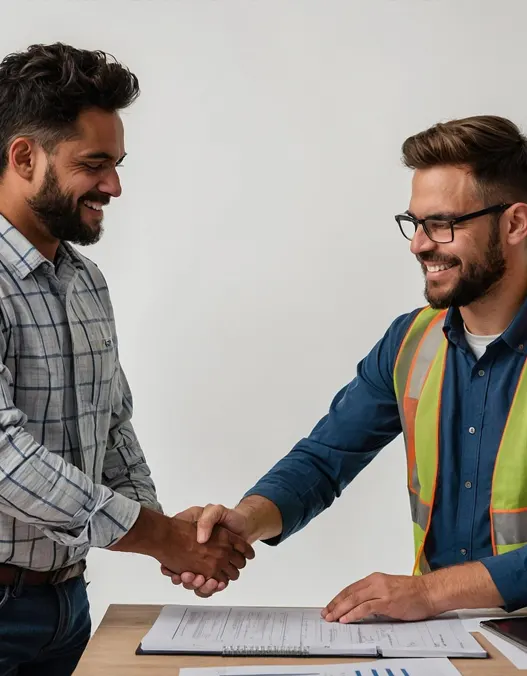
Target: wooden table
112	651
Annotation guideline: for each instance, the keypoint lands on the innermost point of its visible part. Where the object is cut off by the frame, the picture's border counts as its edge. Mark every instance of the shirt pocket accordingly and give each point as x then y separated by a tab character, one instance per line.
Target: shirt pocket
95	363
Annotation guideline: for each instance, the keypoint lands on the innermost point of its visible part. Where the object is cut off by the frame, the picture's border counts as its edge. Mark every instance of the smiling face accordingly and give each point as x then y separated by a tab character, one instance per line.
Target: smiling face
463	271
80	178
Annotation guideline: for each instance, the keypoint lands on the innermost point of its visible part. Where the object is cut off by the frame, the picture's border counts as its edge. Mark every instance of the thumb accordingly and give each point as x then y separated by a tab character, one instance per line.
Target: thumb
212	514
191	514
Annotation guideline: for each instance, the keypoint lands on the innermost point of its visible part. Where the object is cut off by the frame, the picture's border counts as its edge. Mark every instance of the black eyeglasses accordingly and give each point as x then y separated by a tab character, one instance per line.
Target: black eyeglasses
441	230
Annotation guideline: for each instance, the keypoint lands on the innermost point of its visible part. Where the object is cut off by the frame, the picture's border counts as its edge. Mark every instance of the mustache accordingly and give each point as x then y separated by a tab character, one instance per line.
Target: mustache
96	197
429	257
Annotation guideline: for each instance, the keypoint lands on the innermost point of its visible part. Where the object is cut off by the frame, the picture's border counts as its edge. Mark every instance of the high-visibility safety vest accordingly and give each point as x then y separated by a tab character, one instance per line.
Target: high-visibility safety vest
418	380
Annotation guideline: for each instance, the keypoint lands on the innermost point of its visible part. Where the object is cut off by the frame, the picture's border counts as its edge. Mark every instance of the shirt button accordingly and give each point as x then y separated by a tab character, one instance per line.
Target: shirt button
468	484
463	551
520	346
481	372
472	430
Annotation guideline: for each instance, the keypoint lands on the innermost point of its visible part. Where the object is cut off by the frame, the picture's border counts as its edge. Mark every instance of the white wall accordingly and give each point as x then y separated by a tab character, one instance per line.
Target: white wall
253	257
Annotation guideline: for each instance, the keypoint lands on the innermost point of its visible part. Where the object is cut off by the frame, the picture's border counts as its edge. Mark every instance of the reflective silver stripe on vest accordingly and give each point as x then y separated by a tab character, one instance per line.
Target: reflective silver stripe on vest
420	511
426	347
415	479
424	358
510	528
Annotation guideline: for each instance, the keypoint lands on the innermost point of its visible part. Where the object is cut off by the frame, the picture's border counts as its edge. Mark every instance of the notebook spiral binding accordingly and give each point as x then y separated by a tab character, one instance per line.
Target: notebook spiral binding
264	651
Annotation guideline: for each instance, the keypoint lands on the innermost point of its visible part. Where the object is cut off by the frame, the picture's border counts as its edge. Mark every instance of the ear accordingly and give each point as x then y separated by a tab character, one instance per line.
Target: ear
22	157
517	225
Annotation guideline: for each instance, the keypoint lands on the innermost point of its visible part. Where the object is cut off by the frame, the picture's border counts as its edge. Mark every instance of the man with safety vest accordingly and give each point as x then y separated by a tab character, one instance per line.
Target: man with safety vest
450	376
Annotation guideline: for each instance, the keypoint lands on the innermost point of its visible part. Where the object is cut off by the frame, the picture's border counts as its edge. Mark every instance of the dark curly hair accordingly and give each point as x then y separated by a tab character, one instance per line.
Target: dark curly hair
44	89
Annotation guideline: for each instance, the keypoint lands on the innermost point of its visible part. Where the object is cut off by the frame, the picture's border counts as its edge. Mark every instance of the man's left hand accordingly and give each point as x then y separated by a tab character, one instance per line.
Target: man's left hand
402	597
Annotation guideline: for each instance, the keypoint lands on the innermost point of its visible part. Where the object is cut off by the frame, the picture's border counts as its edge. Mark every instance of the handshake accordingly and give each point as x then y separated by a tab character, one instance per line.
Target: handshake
210	521
203	548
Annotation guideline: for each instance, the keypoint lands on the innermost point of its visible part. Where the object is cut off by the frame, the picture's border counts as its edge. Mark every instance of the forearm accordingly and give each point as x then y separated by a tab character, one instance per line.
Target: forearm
149	534
263	517
465	586
306	482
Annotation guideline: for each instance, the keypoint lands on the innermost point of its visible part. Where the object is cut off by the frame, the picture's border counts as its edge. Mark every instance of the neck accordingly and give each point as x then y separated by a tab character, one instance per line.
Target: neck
492	314
22	218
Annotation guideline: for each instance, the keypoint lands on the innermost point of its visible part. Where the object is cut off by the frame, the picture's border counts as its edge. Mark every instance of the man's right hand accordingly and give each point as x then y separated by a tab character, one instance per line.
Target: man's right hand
206	519
220	556
173	542
255	518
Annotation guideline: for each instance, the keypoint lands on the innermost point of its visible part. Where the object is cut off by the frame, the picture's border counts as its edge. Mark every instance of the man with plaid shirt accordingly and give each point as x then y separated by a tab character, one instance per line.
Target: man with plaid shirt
72	473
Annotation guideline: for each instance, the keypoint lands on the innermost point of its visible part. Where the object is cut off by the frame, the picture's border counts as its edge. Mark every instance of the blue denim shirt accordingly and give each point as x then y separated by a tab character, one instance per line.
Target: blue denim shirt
363	418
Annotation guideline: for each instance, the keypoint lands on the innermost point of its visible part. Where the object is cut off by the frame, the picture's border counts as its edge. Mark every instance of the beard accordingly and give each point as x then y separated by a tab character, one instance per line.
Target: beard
61	215
473	284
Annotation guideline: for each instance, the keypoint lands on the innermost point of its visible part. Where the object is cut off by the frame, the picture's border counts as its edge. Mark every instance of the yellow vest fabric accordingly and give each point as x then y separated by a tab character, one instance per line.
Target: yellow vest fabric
418	381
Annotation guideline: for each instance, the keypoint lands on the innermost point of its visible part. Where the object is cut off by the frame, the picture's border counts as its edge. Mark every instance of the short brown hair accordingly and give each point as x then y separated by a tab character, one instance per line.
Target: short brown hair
492	147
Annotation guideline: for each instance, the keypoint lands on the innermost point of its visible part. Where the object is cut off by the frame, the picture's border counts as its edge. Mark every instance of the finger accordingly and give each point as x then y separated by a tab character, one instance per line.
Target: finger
187	577
211	515
237	559
199	581
222	576
204	593
176	579
191	514
231	572
350	602
242	546
166	571
350	589
189	586
375	607
209	588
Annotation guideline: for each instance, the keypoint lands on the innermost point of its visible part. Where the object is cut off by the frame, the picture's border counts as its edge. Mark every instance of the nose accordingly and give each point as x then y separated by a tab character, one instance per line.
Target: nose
111	184
421	242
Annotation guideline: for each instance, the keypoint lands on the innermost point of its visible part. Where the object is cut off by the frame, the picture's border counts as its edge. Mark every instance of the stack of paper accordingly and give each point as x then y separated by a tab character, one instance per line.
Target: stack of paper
289	632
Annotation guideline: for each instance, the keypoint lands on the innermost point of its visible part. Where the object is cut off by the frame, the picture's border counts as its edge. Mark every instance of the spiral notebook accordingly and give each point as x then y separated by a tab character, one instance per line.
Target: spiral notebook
299	632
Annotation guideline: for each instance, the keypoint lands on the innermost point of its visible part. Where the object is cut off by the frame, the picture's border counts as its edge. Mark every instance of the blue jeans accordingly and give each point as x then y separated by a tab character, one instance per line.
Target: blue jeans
44	629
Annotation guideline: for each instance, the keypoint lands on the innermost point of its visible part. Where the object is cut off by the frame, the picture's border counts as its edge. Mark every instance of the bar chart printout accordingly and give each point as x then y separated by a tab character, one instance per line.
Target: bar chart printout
435	666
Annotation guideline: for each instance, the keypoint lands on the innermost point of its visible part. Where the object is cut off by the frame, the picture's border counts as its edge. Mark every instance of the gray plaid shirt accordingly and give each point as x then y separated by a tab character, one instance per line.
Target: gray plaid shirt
72	473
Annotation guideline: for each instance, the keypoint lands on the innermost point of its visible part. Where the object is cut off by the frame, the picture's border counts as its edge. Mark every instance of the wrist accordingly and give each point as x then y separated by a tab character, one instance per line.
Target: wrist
148	535
434	591
264	520
467	585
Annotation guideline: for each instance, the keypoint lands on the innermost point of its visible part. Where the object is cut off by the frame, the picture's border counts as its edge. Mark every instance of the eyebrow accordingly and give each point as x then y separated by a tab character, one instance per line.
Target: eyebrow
103	156
440	216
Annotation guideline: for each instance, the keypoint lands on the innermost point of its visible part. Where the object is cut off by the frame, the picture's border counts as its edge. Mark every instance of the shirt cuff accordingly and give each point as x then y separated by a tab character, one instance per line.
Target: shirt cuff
509	574
103	521
290	506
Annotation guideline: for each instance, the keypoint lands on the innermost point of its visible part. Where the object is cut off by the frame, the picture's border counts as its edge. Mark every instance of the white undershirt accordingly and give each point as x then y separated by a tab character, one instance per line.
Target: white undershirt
478	344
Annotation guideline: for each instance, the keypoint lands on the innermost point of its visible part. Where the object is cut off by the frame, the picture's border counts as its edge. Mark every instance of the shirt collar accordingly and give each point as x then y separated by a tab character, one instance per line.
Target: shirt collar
25	258
67	251
515	335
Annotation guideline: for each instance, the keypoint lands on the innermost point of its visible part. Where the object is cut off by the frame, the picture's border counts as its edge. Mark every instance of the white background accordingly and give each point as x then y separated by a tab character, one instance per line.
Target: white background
253	258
